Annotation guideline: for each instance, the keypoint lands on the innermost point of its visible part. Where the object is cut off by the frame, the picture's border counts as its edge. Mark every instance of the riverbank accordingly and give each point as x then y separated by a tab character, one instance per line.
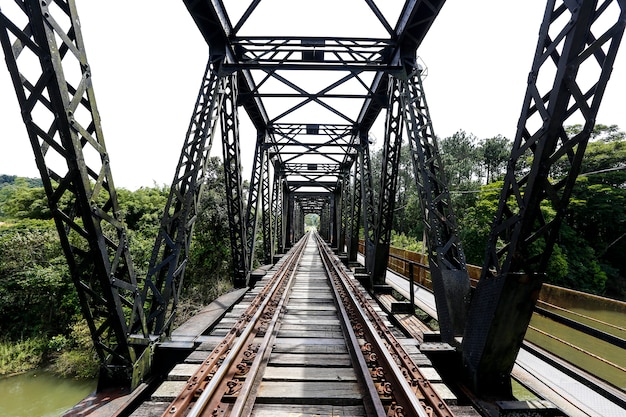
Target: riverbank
21	356
58	357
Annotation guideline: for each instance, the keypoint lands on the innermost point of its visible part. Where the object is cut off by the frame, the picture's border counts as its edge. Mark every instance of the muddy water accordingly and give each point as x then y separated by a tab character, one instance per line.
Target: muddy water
40	394
582	348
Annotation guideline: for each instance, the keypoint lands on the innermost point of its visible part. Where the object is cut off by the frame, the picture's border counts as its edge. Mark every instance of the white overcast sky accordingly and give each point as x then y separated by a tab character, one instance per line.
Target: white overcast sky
147	60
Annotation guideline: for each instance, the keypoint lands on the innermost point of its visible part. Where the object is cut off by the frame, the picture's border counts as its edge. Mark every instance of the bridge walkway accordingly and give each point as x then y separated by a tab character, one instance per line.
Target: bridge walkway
572	390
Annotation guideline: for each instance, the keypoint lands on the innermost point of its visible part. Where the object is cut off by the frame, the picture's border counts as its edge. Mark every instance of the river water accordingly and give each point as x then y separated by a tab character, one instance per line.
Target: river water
41	394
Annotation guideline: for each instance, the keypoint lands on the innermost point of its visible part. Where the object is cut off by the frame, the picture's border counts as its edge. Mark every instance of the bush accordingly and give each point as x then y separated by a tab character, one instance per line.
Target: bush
21	356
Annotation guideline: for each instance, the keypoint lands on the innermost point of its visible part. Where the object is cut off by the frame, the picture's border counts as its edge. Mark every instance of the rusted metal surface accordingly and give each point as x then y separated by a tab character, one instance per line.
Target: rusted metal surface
398	379
205	381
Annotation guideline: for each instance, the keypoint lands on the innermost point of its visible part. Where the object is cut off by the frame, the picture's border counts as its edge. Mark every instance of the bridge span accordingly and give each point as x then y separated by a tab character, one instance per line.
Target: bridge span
308	339
313	99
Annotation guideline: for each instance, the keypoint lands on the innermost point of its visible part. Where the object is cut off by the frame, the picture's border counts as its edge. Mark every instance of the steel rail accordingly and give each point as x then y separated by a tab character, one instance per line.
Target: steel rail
245	401
398	367
217	364
374	407
208	402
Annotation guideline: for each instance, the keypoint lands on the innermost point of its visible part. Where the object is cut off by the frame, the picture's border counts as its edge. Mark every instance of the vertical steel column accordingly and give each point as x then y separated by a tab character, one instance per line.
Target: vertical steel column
277	212
298	221
336	216
345	201
325	221
388	182
445	256
522	238
58	106
369	205
354	221
266	212
232	175
252	209
171	249
289	201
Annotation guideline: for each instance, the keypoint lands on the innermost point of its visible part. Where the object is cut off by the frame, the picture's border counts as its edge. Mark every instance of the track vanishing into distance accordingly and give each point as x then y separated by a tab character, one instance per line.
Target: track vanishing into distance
307	340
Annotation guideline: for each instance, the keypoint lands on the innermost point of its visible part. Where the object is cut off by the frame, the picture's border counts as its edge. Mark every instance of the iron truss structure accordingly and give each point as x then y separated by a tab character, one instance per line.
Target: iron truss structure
313	100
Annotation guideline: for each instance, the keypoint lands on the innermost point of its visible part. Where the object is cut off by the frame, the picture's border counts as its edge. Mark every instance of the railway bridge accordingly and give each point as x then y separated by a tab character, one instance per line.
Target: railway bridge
313	99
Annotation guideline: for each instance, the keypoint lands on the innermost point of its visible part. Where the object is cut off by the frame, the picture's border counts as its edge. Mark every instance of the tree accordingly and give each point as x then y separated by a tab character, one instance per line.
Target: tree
495	152
208	272
36	293
596	218
460	156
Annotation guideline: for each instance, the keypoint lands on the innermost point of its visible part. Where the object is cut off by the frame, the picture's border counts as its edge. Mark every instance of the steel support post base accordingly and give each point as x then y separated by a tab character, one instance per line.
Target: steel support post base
241	280
499	314
452	294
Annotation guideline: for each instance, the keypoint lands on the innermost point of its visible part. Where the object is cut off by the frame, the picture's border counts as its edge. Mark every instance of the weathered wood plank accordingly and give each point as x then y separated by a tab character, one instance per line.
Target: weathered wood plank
297	373
311	333
309	341
310	327
302	348
305	392
298	320
151	409
295	359
168	390
182	371
307	410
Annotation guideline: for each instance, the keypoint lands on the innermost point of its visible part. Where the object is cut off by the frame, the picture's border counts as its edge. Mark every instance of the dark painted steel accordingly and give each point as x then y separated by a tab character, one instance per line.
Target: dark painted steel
171	249
354	216
254	198
232	177
369	205
52	80
388	183
267	213
522	238
447	262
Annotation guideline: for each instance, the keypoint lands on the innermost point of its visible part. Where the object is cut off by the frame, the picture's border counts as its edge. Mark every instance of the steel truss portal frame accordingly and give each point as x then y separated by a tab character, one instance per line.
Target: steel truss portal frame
311	161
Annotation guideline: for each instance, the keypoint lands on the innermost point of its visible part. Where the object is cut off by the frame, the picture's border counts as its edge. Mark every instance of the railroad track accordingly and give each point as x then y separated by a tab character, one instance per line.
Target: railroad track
309	343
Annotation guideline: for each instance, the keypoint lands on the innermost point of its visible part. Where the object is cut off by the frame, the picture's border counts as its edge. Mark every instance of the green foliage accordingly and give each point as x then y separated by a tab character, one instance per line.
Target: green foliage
208	272
403	241
476	224
142	211
36	293
494	153
21	355
74	356
312	220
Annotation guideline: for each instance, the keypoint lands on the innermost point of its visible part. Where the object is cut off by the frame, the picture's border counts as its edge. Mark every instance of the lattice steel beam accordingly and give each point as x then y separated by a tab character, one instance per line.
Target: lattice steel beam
369	204
52	79
232	176
312	53
388	182
171	249
575	34
267	213
445	256
345	211
277	212
252	209
354	222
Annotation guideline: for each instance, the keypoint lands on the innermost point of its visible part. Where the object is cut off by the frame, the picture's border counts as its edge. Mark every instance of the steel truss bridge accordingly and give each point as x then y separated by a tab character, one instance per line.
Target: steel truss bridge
311	155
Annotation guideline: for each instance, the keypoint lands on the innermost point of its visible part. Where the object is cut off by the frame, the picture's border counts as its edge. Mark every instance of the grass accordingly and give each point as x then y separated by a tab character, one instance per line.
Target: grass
21	356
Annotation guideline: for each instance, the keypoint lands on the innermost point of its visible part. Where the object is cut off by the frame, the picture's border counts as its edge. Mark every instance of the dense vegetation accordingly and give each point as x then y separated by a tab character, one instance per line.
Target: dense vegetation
40	321
588	256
